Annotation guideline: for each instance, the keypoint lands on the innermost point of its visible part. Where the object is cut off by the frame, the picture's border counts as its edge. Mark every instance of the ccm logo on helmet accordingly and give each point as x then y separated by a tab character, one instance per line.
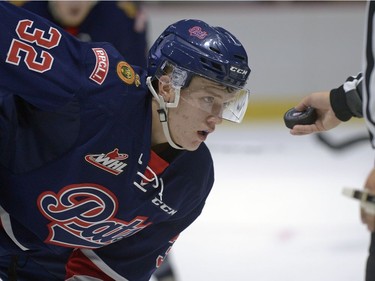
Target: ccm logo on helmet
238	70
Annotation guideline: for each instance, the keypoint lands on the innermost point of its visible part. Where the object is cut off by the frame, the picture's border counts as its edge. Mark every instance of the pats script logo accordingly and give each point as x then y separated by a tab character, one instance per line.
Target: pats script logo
83	216
198	32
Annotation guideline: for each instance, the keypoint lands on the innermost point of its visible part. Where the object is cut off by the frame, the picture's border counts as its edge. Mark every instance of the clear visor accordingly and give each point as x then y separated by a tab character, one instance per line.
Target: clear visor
212	97
218	101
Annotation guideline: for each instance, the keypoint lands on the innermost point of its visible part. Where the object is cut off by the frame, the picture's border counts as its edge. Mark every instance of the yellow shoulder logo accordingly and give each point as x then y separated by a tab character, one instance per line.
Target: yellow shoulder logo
125	72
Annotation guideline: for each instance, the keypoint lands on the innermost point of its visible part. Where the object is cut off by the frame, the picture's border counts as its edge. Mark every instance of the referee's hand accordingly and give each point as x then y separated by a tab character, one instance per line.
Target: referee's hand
326	118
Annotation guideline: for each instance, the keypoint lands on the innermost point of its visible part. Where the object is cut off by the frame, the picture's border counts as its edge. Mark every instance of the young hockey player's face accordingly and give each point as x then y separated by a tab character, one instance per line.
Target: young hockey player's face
199	111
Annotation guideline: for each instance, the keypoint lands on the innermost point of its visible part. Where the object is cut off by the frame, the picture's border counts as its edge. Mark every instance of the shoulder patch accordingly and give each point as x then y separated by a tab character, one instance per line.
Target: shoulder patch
125	72
100	71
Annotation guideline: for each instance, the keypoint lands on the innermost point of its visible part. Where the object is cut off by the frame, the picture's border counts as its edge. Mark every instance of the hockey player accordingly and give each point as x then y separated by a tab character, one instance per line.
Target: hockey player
80	18
355	98
103	164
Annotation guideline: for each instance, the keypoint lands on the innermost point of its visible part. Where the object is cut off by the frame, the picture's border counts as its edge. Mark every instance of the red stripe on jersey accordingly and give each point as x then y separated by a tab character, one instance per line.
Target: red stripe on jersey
78	265
156	164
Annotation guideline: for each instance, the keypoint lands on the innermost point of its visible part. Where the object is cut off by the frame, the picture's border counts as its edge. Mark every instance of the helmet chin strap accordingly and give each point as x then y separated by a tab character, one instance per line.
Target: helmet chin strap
163	114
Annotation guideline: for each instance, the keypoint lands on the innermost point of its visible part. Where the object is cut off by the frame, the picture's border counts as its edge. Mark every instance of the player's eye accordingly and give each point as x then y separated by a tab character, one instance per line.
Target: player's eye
208	100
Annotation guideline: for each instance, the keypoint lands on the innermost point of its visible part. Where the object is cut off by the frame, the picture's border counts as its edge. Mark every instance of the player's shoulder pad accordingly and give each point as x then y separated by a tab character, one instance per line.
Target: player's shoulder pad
134	12
129	8
18	3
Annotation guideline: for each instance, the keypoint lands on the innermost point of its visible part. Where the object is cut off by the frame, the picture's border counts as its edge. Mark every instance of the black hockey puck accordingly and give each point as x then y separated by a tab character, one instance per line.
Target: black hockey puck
293	117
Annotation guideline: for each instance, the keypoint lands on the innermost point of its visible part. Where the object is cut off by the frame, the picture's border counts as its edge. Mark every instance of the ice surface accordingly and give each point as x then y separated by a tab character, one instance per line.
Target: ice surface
277	212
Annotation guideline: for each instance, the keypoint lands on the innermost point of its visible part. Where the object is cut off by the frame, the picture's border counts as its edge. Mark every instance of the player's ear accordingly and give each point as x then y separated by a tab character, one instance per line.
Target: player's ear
165	88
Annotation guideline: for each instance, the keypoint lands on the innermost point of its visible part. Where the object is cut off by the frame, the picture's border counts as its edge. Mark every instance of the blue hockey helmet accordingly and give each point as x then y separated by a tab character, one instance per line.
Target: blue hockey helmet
200	49
191	48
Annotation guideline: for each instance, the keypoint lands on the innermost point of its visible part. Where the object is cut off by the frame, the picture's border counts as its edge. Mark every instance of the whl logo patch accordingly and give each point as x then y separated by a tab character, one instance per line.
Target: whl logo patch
112	162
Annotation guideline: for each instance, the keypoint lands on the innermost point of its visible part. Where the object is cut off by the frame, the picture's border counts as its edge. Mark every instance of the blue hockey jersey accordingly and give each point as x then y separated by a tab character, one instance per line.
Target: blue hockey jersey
82	192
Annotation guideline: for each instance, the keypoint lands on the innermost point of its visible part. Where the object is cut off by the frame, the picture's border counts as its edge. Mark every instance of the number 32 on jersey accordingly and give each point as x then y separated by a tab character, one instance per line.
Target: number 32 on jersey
29	35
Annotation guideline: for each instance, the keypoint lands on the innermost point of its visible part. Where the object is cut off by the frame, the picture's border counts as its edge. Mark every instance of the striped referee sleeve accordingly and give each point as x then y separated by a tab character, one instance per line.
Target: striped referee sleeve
346	101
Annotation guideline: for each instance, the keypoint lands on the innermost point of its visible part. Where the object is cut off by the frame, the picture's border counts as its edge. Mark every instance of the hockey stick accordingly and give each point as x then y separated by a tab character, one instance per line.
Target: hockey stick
366	199
343	144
